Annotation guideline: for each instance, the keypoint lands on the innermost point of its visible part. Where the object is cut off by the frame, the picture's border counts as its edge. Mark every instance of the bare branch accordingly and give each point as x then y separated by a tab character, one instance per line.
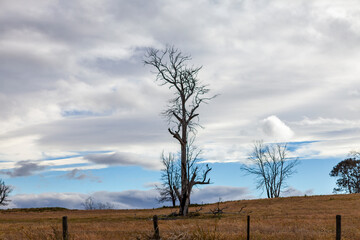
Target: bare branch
204	181
176	135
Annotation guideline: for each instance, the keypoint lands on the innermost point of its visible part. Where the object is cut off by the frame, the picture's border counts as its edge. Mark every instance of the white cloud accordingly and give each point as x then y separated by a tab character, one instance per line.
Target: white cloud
275	128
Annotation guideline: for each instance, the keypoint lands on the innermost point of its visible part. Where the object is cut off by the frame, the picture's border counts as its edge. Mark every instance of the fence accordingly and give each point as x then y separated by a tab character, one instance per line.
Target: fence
157	230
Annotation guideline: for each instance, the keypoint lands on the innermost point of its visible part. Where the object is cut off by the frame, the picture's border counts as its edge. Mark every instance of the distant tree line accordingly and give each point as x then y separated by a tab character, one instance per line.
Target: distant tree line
91	204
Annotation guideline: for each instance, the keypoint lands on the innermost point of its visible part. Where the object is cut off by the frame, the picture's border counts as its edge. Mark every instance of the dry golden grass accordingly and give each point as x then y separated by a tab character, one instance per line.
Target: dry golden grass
283	218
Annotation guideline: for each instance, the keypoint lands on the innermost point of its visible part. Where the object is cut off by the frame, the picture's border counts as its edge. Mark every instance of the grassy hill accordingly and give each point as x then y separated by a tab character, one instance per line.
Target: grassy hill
311	217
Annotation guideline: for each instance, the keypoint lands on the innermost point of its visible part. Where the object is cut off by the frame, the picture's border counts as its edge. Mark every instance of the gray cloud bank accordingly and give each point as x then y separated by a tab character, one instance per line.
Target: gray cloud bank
136	199
126	199
24	168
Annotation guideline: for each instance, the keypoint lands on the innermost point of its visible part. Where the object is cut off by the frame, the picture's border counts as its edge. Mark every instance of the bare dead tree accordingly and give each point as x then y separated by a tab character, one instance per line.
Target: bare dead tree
90	204
5	190
218	211
182	112
104	206
170	178
271	166
196	172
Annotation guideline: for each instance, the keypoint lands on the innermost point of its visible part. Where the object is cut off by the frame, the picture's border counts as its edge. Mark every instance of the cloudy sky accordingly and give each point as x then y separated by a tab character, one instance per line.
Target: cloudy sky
80	113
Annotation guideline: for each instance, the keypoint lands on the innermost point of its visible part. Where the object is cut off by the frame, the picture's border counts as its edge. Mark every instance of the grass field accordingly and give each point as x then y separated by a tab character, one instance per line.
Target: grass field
310	217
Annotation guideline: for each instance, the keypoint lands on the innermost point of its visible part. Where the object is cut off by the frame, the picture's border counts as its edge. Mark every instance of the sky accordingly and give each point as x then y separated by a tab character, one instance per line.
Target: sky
80	114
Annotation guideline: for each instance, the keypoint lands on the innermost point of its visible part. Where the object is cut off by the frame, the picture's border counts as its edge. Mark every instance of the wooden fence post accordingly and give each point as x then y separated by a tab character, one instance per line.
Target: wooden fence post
248	228
65	228
156	228
338	227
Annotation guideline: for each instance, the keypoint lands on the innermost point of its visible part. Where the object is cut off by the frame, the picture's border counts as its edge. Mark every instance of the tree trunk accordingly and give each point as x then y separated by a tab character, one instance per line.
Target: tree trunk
187	202
186	206
174	202
184	181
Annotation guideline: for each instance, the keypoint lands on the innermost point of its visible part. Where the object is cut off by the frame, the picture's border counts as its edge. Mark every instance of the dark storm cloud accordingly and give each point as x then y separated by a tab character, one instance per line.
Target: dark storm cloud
24	168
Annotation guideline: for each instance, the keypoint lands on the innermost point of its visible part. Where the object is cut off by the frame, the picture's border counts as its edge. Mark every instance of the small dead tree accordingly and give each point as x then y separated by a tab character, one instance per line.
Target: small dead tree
90	204
5	190
271	166
218	210
182	112
170	178
196	172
